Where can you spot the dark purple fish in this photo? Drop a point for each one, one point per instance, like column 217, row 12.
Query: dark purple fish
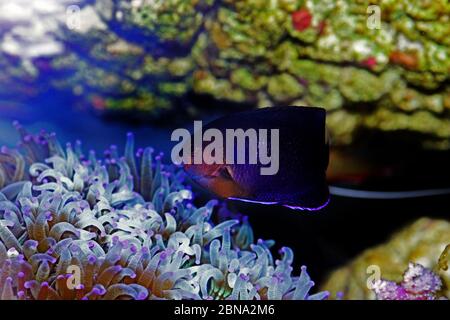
column 299, row 183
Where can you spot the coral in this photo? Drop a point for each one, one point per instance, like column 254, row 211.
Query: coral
column 124, row 227
column 27, row 46
column 151, row 57
column 16, row 82
column 421, row 245
column 419, row 283
column 321, row 53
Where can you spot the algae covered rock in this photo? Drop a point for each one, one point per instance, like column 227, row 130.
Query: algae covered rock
column 387, row 72
column 424, row 242
column 375, row 65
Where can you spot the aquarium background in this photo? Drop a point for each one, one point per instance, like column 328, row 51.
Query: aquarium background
column 96, row 70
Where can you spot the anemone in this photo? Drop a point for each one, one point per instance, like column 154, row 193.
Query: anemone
column 73, row 226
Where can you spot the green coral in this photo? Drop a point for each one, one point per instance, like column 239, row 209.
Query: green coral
column 424, row 242
column 284, row 87
column 263, row 53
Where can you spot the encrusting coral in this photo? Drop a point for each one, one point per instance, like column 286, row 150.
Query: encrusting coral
column 419, row 283
column 388, row 72
column 373, row 65
column 420, row 248
column 76, row 227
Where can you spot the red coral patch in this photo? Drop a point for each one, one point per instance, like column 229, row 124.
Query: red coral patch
column 370, row 62
column 301, row 19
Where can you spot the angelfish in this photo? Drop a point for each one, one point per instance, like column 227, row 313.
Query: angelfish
column 302, row 155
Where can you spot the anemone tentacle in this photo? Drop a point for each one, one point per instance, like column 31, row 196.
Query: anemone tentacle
column 77, row 227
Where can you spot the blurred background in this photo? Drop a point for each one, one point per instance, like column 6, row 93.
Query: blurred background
column 94, row 70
